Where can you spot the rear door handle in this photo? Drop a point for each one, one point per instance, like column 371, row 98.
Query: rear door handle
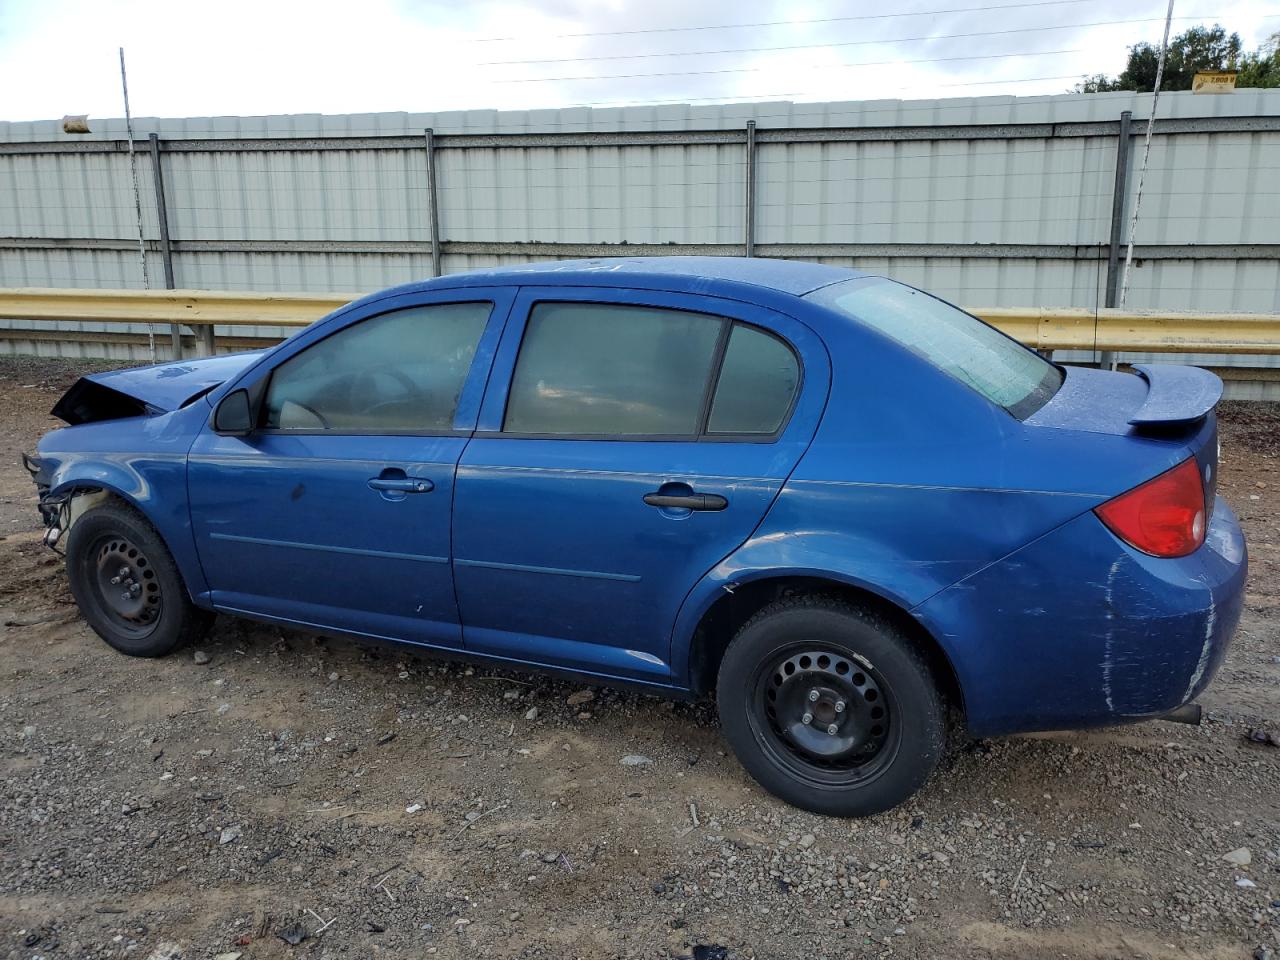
column 406, row 485
column 692, row 501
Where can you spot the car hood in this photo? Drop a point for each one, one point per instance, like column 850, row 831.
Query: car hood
column 147, row 391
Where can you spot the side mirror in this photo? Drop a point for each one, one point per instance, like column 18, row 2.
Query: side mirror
column 234, row 416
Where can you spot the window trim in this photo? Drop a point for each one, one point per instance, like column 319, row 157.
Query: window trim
column 712, row 384
column 260, row 413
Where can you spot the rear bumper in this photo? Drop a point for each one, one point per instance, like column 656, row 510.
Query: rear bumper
column 1078, row 629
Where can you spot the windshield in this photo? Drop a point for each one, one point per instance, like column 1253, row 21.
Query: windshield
column 978, row 355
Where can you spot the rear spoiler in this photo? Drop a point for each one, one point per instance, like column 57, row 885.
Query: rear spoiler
column 1176, row 394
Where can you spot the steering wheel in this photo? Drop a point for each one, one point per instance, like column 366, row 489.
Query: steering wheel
column 309, row 411
column 363, row 382
column 324, row 424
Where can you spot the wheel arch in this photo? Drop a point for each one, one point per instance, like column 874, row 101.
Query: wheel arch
column 720, row 621
column 79, row 487
column 88, row 484
column 80, row 475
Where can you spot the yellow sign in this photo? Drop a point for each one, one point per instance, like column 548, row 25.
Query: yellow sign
column 1213, row 81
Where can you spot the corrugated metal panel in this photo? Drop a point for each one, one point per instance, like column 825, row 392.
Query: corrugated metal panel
column 74, row 195
column 298, row 195
column 939, row 191
column 1221, row 188
column 339, row 272
column 641, row 194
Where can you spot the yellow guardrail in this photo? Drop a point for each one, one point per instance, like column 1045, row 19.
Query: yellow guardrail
column 1041, row 328
column 1139, row 331
column 190, row 307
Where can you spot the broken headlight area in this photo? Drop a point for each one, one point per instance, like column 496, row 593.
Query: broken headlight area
column 55, row 511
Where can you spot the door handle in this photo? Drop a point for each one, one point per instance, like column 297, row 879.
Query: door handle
column 691, row 501
column 401, row 485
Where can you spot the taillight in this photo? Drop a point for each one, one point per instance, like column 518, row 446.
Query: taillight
column 1164, row 516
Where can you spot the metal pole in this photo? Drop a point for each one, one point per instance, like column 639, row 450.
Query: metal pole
column 1107, row 359
column 166, row 252
column 750, row 244
column 1146, row 155
column 1117, row 209
column 137, row 201
column 435, row 206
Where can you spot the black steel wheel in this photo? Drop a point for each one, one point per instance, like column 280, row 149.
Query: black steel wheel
column 127, row 589
column 127, row 585
column 830, row 707
column 824, row 714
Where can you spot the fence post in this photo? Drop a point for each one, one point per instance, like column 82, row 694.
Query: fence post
column 432, row 199
column 1107, row 359
column 749, row 245
column 166, row 252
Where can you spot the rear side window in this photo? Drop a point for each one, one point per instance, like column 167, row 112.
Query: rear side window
column 757, row 383
column 611, row 369
column 400, row 372
column 621, row 370
column 998, row 367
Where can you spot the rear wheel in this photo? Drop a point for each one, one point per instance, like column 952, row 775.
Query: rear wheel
column 830, row 707
column 127, row 585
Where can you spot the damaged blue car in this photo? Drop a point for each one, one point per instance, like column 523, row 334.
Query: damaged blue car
column 858, row 515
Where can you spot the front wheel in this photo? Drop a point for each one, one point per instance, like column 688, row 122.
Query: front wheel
column 127, row 585
column 830, row 707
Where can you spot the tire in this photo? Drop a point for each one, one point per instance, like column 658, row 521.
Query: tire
column 113, row 540
column 876, row 730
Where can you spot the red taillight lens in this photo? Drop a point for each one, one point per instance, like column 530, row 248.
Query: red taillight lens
column 1164, row 517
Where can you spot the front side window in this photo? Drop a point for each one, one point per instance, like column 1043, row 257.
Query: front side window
column 592, row 369
column 998, row 367
column 400, row 372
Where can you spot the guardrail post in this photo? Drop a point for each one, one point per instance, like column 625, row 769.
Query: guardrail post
column 166, row 252
column 749, row 244
column 1107, row 359
column 430, row 137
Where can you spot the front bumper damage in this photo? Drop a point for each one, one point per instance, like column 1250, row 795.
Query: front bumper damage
column 55, row 509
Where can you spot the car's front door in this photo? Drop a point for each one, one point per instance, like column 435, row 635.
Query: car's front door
column 628, row 441
column 334, row 512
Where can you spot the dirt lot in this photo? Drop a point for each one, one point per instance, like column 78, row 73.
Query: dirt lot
column 382, row 805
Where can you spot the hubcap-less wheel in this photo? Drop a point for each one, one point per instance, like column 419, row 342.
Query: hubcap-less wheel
column 824, row 715
column 126, row 585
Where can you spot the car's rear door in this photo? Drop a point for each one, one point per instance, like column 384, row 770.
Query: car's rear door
column 628, row 441
column 335, row 511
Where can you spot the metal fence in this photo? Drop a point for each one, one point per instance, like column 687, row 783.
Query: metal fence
column 996, row 201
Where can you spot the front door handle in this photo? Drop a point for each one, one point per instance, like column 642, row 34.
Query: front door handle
column 691, row 501
column 401, row 485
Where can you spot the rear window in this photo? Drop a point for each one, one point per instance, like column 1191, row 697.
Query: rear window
column 997, row 366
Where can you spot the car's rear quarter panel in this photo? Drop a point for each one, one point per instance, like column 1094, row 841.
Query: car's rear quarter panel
column 981, row 526
column 1078, row 629
column 913, row 482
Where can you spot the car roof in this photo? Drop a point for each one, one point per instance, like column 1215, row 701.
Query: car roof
column 691, row 274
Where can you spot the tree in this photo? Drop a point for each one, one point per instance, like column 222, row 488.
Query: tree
column 1190, row 52
column 1098, row 83
column 1262, row 67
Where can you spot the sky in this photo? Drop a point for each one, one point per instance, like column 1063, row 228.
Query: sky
column 254, row 57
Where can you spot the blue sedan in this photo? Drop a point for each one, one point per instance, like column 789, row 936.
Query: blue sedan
column 859, row 516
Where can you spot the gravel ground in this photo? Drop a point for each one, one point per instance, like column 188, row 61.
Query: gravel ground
column 275, row 787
